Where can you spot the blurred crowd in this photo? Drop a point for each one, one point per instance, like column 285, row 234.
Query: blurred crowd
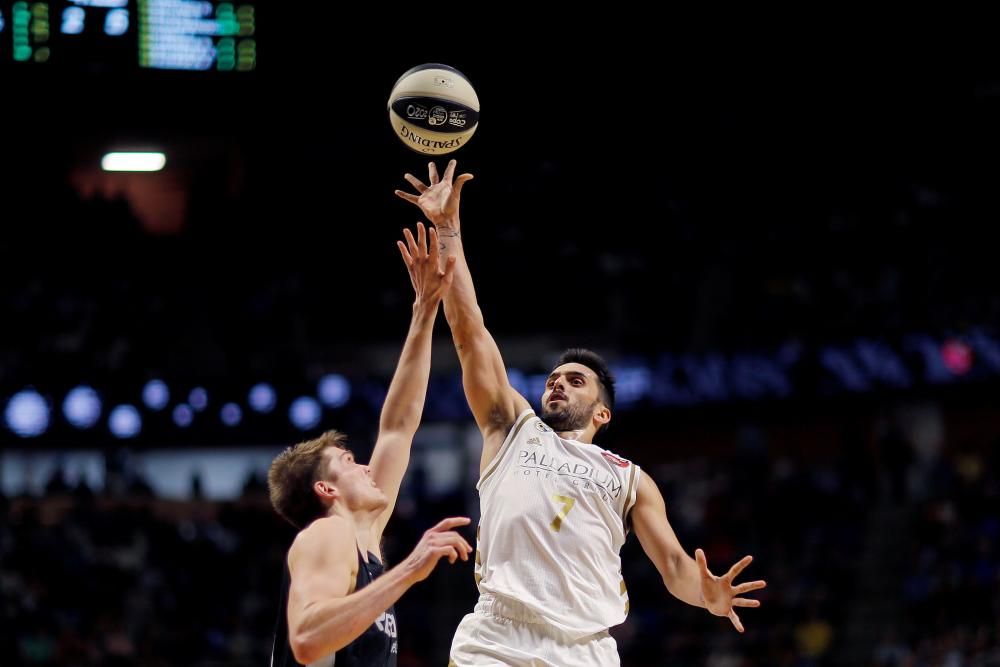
column 94, row 577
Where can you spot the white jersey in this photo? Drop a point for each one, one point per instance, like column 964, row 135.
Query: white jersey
column 553, row 521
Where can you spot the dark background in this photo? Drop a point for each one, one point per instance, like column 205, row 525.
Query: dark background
column 659, row 190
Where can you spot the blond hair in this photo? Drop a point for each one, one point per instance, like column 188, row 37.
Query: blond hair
column 292, row 474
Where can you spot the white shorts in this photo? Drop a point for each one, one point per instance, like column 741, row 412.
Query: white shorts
column 502, row 632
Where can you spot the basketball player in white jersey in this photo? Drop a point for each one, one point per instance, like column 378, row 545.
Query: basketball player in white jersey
column 555, row 507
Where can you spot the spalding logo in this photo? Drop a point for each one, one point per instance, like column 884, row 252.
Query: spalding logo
column 621, row 463
column 427, row 144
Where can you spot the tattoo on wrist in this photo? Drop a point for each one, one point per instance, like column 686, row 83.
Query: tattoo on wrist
column 448, row 232
column 442, row 246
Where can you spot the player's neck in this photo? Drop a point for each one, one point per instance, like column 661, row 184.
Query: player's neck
column 361, row 519
column 580, row 435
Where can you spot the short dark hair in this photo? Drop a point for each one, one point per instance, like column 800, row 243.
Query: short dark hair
column 596, row 363
column 291, row 476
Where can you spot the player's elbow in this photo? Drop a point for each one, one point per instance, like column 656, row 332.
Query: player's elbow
column 304, row 651
column 308, row 646
column 308, row 650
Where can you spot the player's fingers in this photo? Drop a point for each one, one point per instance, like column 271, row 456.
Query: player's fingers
column 736, row 620
column 407, row 196
column 444, row 552
column 459, row 182
column 459, row 543
column 738, row 567
column 415, row 182
column 411, row 243
column 449, row 171
column 749, row 586
column 406, row 256
column 745, row 602
column 450, row 522
column 434, row 248
column 699, row 557
column 421, row 240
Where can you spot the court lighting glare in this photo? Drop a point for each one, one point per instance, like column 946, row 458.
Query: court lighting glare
column 133, row 161
column 155, row 394
column 27, row 414
column 334, row 390
column 305, row 413
column 125, row 422
column 82, row 407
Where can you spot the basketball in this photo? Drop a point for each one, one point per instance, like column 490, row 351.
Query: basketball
column 433, row 109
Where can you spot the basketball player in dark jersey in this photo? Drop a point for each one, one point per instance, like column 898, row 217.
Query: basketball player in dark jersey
column 337, row 604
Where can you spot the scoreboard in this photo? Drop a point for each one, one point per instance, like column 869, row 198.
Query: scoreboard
column 109, row 35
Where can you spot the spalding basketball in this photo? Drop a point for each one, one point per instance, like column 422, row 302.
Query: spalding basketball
column 433, row 109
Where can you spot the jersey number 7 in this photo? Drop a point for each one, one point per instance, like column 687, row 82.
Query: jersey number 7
column 567, row 504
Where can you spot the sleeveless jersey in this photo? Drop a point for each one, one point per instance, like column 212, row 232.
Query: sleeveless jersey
column 553, row 521
column 376, row 647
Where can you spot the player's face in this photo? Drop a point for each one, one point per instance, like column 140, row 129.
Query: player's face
column 353, row 481
column 571, row 396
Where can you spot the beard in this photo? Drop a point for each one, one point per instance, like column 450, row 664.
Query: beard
column 568, row 418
